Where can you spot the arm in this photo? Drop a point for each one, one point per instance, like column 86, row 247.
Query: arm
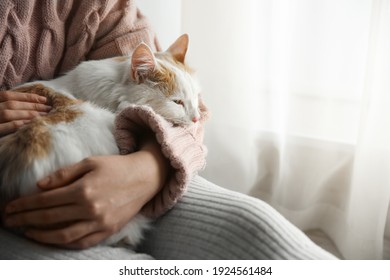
column 89, row 201
column 182, row 146
column 73, row 210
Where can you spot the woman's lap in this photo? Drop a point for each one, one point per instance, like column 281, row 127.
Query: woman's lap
column 209, row 222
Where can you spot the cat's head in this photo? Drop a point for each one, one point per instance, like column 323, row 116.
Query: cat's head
column 166, row 83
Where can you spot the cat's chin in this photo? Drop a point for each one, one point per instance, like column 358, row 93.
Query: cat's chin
column 181, row 123
column 178, row 122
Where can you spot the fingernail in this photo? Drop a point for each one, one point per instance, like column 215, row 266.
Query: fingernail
column 42, row 113
column 26, row 121
column 48, row 108
column 44, row 182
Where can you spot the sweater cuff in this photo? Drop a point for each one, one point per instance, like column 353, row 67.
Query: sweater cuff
column 182, row 146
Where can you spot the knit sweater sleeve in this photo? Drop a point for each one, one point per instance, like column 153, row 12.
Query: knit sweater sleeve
column 182, row 146
column 106, row 29
column 42, row 39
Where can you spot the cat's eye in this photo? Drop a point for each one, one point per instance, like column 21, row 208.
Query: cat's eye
column 178, row 102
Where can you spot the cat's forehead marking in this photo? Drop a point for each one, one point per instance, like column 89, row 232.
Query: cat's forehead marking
column 165, row 74
column 165, row 78
column 169, row 58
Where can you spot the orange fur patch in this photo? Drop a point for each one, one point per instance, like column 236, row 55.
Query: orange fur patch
column 168, row 57
column 60, row 104
column 33, row 140
column 165, row 79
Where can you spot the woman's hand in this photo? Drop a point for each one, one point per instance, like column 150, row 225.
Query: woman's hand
column 87, row 202
column 17, row 109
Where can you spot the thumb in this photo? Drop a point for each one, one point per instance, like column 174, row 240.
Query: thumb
column 64, row 176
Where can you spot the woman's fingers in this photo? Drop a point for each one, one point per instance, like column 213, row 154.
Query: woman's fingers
column 101, row 230
column 64, row 185
column 88, row 241
column 42, row 200
column 21, row 96
column 24, row 106
column 63, row 236
column 14, row 115
column 66, row 175
column 100, row 191
column 12, row 120
column 80, row 228
column 18, row 108
column 47, row 217
column 10, row 127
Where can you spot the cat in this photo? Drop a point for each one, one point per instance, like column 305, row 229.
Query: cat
column 74, row 129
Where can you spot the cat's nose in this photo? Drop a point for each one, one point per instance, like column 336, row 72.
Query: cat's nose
column 195, row 119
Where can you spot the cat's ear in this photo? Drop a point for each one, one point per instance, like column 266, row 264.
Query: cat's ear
column 179, row 48
column 142, row 63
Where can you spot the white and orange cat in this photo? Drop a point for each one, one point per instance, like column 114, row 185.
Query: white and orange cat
column 75, row 130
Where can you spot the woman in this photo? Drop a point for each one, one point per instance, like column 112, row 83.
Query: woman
column 42, row 39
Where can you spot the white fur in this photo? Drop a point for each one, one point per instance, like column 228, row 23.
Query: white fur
column 107, row 84
column 90, row 134
column 72, row 142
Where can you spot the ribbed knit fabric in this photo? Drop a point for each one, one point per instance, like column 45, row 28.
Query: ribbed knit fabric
column 13, row 247
column 181, row 145
column 209, row 222
column 40, row 39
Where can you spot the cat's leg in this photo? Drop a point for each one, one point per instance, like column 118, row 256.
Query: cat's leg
column 210, row 222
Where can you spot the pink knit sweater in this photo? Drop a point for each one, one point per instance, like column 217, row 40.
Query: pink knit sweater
column 41, row 39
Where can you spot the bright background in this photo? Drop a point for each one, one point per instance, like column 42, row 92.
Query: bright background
column 299, row 92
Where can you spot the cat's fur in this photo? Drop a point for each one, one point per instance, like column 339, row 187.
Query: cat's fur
column 75, row 130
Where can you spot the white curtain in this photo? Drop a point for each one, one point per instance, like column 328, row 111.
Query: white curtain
column 299, row 92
